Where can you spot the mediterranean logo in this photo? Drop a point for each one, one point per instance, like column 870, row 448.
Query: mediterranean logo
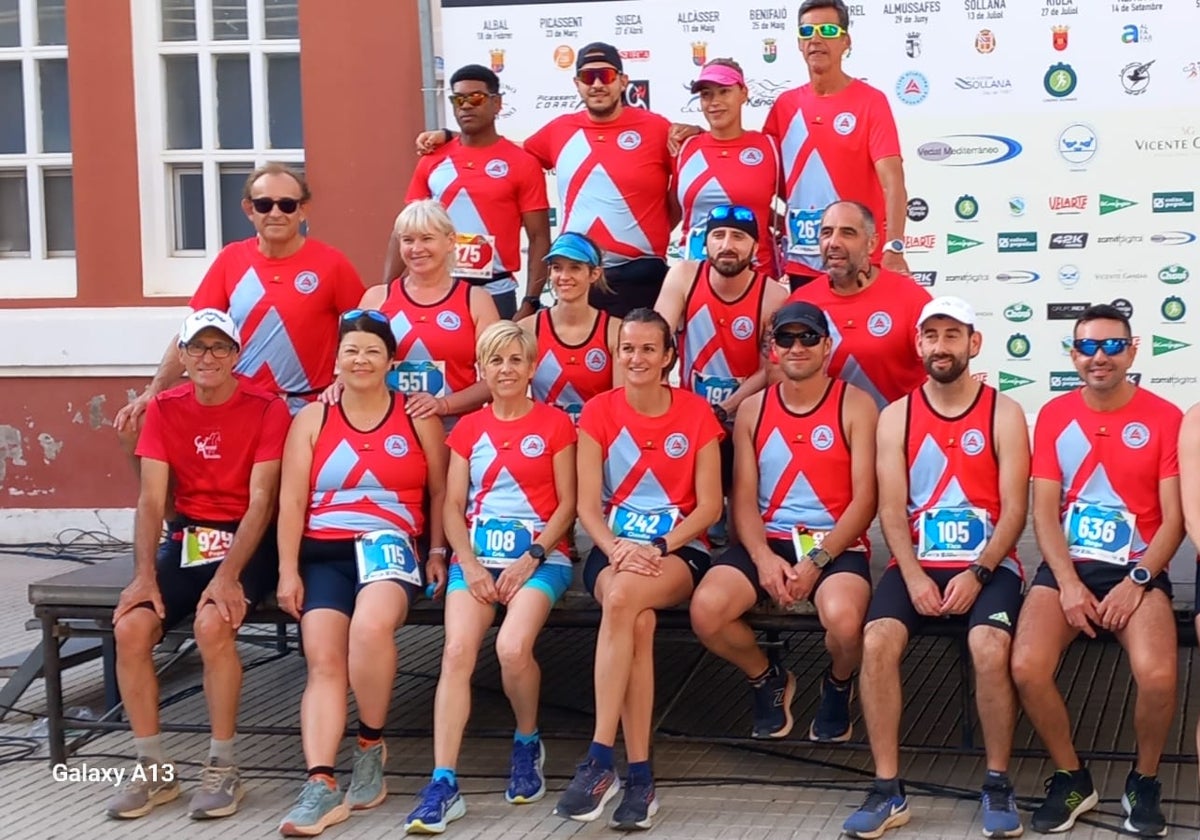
column 1111, row 204
column 1009, row 381
column 1163, row 345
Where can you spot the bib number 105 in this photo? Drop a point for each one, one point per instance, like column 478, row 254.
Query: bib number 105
column 953, row 532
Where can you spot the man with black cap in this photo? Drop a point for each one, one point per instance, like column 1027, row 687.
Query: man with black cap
column 953, row 468
column 803, row 498
column 614, row 172
column 491, row 189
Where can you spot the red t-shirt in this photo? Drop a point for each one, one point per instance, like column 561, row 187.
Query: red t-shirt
column 286, row 310
column 512, row 465
column 835, row 142
column 874, row 333
column 613, row 179
column 1114, row 459
column 485, row 190
column 711, row 172
column 211, row 449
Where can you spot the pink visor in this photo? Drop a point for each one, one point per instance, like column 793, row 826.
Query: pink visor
column 718, row 74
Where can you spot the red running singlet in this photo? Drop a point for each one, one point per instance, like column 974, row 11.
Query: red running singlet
column 568, row 375
column 435, row 343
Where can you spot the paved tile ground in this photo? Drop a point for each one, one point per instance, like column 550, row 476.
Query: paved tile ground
column 709, row 791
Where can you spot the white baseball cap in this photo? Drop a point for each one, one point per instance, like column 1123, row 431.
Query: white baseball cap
column 948, row 306
column 203, row 319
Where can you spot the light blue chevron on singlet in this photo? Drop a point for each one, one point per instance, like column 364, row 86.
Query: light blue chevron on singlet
column 331, row 490
column 548, row 373
column 852, row 371
column 270, row 345
column 1071, row 448
column 814, row 188
column 710, row 195
column 801, row 505
column 700, row 332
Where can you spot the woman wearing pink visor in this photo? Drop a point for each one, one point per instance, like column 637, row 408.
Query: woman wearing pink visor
column 726, row 164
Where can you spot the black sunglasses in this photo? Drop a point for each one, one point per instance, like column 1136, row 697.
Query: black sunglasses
column 265, row 205
column 808, row 338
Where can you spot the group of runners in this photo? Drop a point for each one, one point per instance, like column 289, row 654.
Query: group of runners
column 461, row 434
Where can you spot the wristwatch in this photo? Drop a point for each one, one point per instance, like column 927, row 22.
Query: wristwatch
column 661, row 544
column 819, row 557
column 896, row 246
column 721, row 414
column 982, row 573
column 538, row 553
column 533, row 300
column 1140, row 575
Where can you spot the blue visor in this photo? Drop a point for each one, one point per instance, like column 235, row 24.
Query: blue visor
column 573, row 247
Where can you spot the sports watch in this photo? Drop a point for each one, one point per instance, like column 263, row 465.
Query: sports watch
column 896, row 246
column 1140, row 575
column 819, row 557
column 538, row 553
column 661, row 544
column 982, row 573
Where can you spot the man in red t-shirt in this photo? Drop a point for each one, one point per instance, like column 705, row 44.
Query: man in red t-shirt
column 491, row 189
column 215, row 443
column 838, row 140
column 872, row 311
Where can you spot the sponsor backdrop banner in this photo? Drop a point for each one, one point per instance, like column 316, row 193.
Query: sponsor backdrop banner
column 1051, row 147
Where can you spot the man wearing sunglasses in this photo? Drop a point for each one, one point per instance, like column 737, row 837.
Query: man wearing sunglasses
column 803, row 498
column 492, row 189
column 838, row 132
column 211, row 451
column 953, row 469
column 1108, row 517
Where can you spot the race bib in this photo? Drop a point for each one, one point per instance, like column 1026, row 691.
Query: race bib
column 409, row 377
column 573, row 411
column 804, row 227
column 1095, row 532
column 804, row 540
column 641, row 526
column 957, row 534
column 386, row 555
column 474, row 255
column 715, row 389
column 201, row 546
column 498, row 542
column 697, row 243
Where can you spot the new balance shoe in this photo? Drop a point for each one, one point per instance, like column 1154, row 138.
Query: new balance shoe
column 1000, row 816
column 367, row 786
column 317, row 807
column 525, row 782
column 219, row 794
column 587, row 793
column 440, row 805
column 1068, row 794
column 832, row 721
column 1142, row 802
column 881, row 810
column 773, row 703
column 638, row 806
column 147, row 785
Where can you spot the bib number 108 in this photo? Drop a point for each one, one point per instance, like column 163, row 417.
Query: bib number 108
column 500, row 542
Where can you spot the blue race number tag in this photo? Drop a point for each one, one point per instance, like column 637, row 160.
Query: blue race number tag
column 573, row 411
column 497, row 542
column 641, row 526
column 386, row 555
column 714, row 389
column 804, row 228
column 955, row 534
column 409, row 377
column 202, row 546
column 1096, row 532
column 697, row 243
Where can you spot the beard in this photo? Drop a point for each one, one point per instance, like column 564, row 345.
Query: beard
column 945, row 377
column 731, row 266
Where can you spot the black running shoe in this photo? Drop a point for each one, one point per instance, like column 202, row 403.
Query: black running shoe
column 773, row 704
column 1141, row 801
column 1068, row 794
column 832, row 721
column 638, row 806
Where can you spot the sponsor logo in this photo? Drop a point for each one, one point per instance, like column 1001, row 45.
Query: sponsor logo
column 307, row 282
column 844, row 123
column 676, row 445
column 699, row 53
column 1001, row 618
column 1173, row 309
column 396, row 446
column 742, row 327
column 1018, row 277
column 532, row 446
column 497, row 59
column 1185, row 139
column 985, row 42
column 1135, row 435
column 1060, row 80
column 973, row 441
column 1173, row 275
column 448, row 320
column 1021, row 242
column 924, row 242
column 1173, row 380
column 1016, row 206
column 1065, row 311
column 496, row 168
column 966, row 208
column 981, row 376
column 750, row 157
column 1059, row 37
column 1018, row 312
column 1069, row 380
column 1173, row 237
column 637, row 94
column 564, row 57
column 969, row 149
column 917, row 210
column 595, row 359
column 208, row 446
column 1111, row 204
column 822, row 438
column 1009, row 381
column 1077, row 144
column 912, row 45
column 770, row 50
column 912, row 87
column 966, row 278
column 1163, row 345
column 1068, row 241
column 879, row 324
column 1068, row 275
column 1135, row 77
column 984, row 84
column 629, row 140
column 1173, row 202
column 924, row 278
column 1062, row 204
column 1123, row 306
column 634, row 55
column 955, row 243
column 1018, row 346
column 1135, row 34
column 1120, row 239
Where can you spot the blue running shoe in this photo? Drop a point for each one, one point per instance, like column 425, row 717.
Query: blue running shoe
column 525, row 782
column 880, row 811
column 588, row 793
column 773, row 704
column 1000, row 816
column 831, row 725
column 638, row 806
column 440, row 804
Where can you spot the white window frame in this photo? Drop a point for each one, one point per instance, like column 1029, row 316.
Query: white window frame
column 165, row 271
column 41, row 274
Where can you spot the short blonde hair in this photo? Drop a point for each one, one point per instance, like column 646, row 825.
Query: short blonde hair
column 499, row 335
column 424, row 216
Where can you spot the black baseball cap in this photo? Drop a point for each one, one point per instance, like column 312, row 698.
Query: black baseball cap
column 804, row 314
column 599, row 51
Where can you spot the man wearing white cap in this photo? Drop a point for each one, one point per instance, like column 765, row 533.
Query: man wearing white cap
column 214, row 444
column 952, row 524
